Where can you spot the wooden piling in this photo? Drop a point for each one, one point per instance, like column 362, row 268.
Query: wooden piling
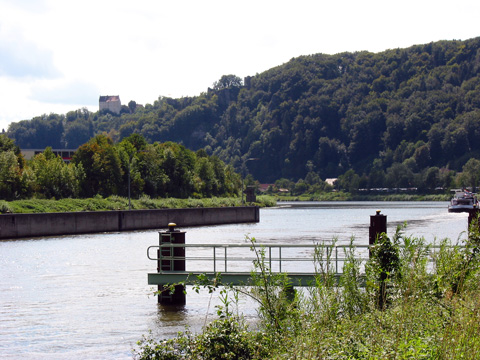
column 378, row 225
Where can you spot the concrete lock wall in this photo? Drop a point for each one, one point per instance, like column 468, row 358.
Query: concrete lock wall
column 51, row 224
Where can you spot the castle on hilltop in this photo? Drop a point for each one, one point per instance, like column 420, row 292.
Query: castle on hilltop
column 111, row 103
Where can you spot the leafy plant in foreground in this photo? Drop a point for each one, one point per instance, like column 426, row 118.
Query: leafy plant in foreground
column 338, row 319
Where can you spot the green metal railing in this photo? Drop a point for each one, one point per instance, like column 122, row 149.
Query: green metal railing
column 275, row 255
column 228, row 253
column 211, row 260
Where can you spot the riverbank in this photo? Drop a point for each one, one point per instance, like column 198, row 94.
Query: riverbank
column 117, row 203
column 344, row 196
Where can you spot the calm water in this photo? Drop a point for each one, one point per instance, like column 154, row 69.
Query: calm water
column 87, row 297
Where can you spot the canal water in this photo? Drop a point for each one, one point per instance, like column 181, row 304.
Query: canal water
column 87, row 297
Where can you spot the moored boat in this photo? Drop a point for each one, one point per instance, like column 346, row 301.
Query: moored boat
column 463, row 201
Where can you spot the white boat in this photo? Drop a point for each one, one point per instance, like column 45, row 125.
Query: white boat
column 463, row 201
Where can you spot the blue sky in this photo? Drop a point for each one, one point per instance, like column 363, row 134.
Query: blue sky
column 61, row 55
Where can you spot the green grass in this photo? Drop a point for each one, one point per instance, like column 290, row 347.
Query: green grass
column 119, row 203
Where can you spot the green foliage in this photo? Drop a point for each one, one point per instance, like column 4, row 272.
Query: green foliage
column 227, row 81
column 51, row 177
column 383, row 268
column 429, row 316
column 273, row 292
column 131, row 168
column 5, row 207
column 12, row 183
column 98, row 203
column 227, row 337
column 353, row 300
column 471, row 174
column 101, row 163
column 224, row 338
column 389, row 116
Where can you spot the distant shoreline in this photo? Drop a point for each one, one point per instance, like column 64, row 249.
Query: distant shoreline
column 341, row 196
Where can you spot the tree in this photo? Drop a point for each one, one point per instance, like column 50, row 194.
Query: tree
column 53, row 178
column 399, row 175
column 471, row 173
column 101, row 163
column 10, row 175
column 132, row 184
column 150, row 168
column 431, row 179
column 348, row 181
column 227, row 81
column 137, row 140
column 177, row 164
column 77, row 132
column 207, row 181
column 132, row 105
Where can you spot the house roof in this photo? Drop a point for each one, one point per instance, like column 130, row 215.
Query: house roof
column 331, row 181
column 109, row 98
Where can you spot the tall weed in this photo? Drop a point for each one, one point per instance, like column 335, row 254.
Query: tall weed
column 430, row 309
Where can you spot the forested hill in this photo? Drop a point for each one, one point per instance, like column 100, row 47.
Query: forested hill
column 399, row 112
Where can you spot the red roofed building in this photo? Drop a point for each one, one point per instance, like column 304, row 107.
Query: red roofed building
column 111, row 103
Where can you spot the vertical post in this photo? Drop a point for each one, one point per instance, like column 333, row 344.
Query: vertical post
column 242, row 191
column 129, row 201
column 171, row 259
column 378, row 225
column 244, row 166
column 280, row 257
column 336, row 259
column 250, row 194
column 225, row 256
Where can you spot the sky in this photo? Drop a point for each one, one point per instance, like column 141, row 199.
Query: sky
column 61, row 55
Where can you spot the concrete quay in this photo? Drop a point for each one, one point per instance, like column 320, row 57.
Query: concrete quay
column 13, row 226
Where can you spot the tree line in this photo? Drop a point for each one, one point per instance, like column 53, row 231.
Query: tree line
column 399, row 118
column 100, row 167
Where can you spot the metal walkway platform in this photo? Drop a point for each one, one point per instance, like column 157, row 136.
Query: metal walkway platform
column 230, row 278
column 300, row 263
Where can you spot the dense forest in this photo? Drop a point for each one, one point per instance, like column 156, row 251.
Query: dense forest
column 131, row 167
column 398, row 118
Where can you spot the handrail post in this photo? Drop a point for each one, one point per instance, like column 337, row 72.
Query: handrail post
column 225, row 259
column 336, row 259
column 280, row 257
column 270, row 257
column 214, row 259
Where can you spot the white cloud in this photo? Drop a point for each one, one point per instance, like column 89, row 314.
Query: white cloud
column 70, row 92
column 23, row 59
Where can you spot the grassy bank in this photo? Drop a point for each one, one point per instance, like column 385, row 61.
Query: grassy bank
column 344, row 196
column 119, row 203
column 99, row 203
column 416, row 304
